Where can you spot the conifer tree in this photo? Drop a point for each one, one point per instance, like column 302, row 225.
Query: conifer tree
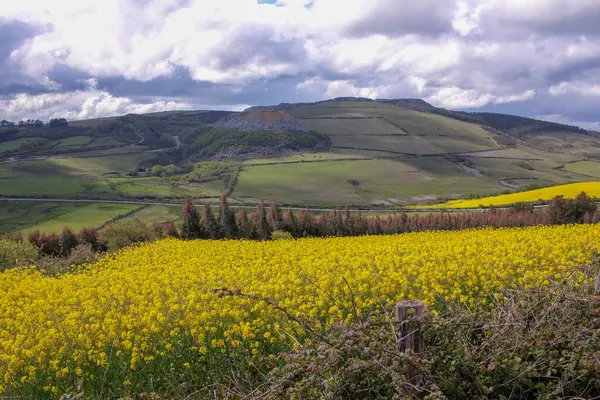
column 263, row 230
column 291, row 223
column 211, row 227
column 243, row 224
column 275, row 217
column 227, row 222
column 305, row 223
column 191, row 228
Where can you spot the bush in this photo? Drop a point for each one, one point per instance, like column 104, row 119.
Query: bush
column 281, row 235
column 13, row 253
column 539, row 343
column 89, row 236
column 122, row 234
column 571, row 211
column 79, row 255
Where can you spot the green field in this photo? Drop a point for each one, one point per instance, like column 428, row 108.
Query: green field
column 92, row 216
column 75, row 141
column 164, row 187
column 95, row 166
column 393, row 129
column 157, row 214
column 298, row 158
column 587, row 168
column 19, row 215
column 326, row 182
column 18, row 144
column 353, row 126
column 56, row 187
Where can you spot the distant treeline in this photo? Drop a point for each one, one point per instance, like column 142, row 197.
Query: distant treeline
column 34, row 123
column 273, row 223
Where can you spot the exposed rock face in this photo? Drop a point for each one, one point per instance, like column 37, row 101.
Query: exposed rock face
column 262, row 120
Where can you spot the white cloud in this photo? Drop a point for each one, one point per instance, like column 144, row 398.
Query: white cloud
column 454, row 53
column 458, row 98
column 581, row 88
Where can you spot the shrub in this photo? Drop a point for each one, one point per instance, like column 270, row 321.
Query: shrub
column 539, row 343
column 281, row 235
column 89, row 236
column 49, row 244
column 68, row 241
column 79, row 255
column 14, row 253
column 125, row 233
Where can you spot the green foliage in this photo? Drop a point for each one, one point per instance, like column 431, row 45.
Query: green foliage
column 210, row 224
column 16, row 253
column 125, row 233
column 164, row 171
column 568, row 211
column 281, row 235
column 217, row 140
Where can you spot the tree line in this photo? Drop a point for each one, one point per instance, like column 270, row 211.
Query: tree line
column 266, row 223
column 35, row 123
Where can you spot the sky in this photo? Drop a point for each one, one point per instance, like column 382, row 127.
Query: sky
column 83, row 59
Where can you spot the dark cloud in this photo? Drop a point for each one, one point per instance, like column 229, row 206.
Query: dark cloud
column 395, row 18
column 13, row 34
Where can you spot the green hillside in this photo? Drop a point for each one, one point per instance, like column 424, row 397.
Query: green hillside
column 387, row 153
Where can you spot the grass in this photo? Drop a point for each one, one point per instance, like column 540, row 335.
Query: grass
column 116, row 151
column 106, row 141
column 75, row 141
column 353, row 126
column 307, row 157
column 56, row 187
column 425, row 133
column 93, row 216
column 589, row 168
column 163, row 187
column 545, row 194
column 326, row 182
column 18, row 215
column 94, row 166
column 158, row 214
column 18, row 143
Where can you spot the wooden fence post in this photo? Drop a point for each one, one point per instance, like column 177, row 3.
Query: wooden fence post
column 409, row 315
column 408, row 322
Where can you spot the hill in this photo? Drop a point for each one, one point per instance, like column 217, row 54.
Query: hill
column 344, row 151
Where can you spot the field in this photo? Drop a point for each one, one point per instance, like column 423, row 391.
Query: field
column 18, row 215
column 90, row 216
column 20, row 143
column 326, row 182
column 148, row 320
column 165, row 188
column 152, row 214
column 588, row 168
column 414, row 132
column 545, row 194
column 57, row 187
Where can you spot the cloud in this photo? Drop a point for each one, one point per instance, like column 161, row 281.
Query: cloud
column 523, row 57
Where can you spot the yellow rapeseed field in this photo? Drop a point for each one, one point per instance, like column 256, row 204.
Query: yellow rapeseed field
column 151, row 311
column 568, row 191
